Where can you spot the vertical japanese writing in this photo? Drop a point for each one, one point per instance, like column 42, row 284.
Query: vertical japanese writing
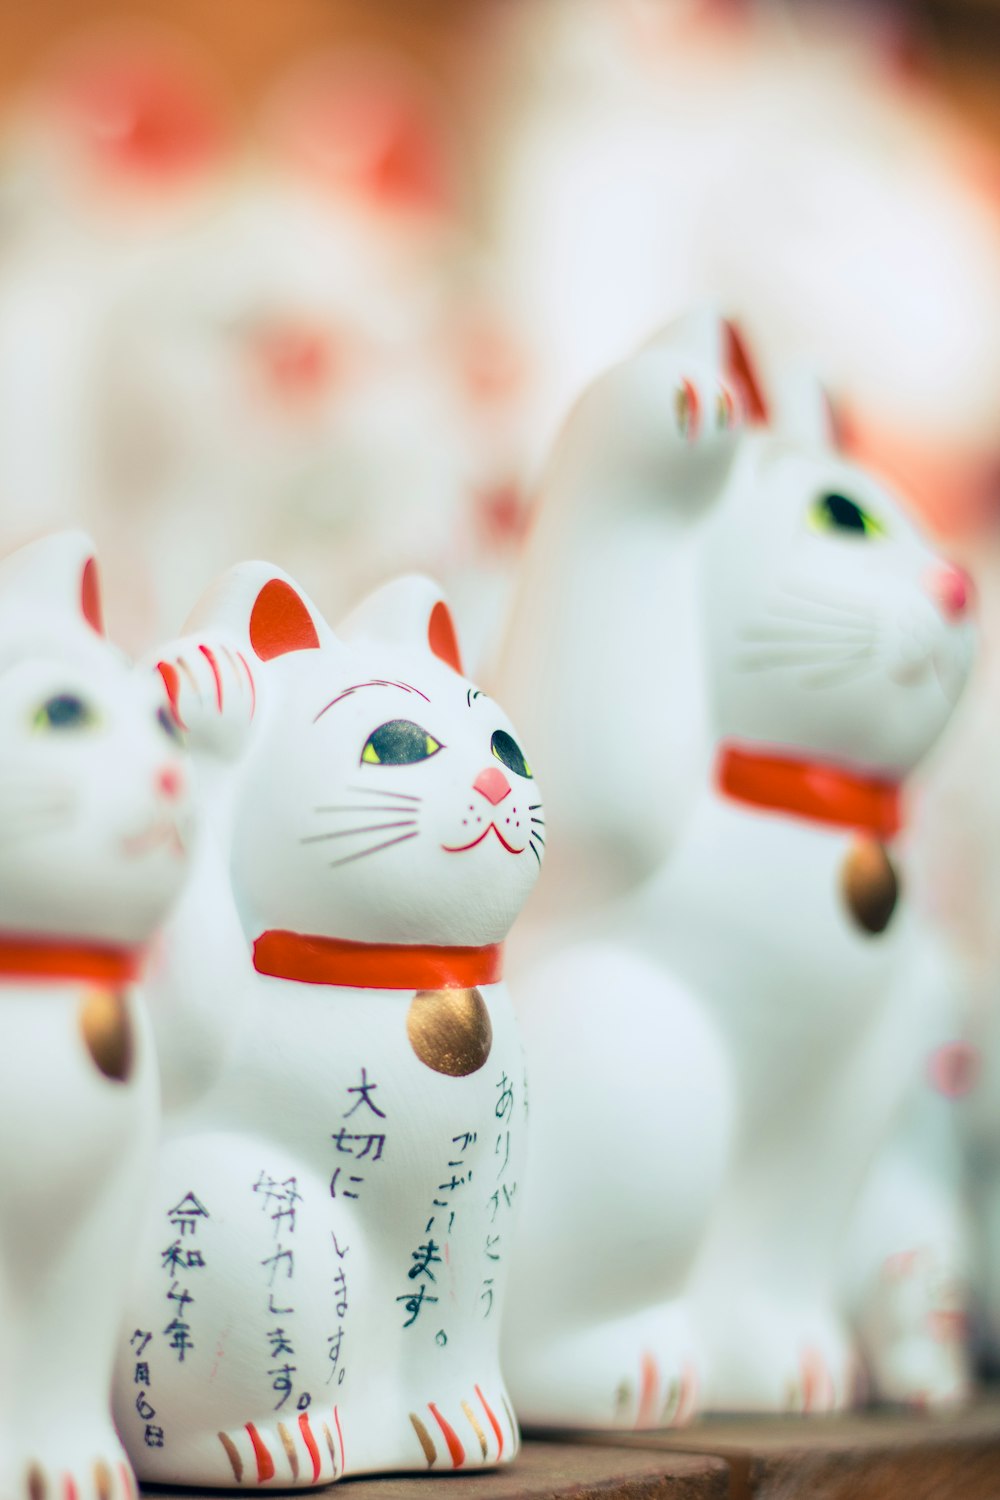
column 427, row 1257
column 280, row 1200
column 335, row 1340
column 153, row 1435
column 362, row 1139
column 180, row 1260
column 501, row 1200
column 365, row 1142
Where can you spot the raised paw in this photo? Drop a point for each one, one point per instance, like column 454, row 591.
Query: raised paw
column 703, row 407
column 211, row 691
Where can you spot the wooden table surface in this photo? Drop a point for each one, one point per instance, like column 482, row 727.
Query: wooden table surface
column 869, row 1456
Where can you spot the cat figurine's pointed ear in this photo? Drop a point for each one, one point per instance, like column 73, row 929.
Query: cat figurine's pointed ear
column 56, row 573
column 410, row 609
column 803, row 412
column 263, row 606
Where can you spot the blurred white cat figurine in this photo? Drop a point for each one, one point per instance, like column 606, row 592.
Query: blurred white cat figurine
column 737, row 646
column 322, row 1273
column 94, row 821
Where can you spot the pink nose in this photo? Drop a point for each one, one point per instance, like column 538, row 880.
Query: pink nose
column 952, row 588
column 169, row 782
column 493, row 784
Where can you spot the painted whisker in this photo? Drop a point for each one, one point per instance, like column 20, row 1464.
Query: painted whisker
column 818, row 610
column 368, row 791
column 836, row 676
column 775, row 660
column 358, row 807
column 808, row 631
column 363, row 853
column 818, row 597
column 343, row 833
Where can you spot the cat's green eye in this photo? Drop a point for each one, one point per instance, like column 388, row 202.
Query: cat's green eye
column 399, row 743
column 64, row 711
column 838, row 513
column 508, row 751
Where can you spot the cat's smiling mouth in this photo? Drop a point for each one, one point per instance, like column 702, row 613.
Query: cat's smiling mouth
column 461, row 848
column 162, row 832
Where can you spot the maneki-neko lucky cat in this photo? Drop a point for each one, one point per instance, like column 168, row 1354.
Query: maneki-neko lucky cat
column 95, row 819
column 321, row 1275
column 772, row 647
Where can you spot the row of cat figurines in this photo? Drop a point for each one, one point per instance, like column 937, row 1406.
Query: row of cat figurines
column 274, row 1196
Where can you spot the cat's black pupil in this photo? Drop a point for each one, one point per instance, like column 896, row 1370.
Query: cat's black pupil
column 506, row 749
column 844, row 514
column 65, row 711
column 168, row 723
column 399, row 743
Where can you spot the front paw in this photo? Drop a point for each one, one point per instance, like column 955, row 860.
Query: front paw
column 916, row 1332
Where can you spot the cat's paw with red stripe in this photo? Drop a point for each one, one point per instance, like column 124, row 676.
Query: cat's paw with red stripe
column 84, row 1477
column 470, row 1433
column 916, row 1335
column 639, row 1373
column 211, row 691
column 304, row 1449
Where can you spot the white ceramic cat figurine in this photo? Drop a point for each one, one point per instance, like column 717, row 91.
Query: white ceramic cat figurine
column 322, row 1272
column 743, row 650
column 95, row 816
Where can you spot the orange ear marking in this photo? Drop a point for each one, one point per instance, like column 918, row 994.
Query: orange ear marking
column 441, row 636
column 90, row 596
column 280, row 622
column 739, row 368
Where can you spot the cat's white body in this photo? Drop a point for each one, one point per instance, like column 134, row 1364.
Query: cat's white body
column 344, row 1146
column 94, row 821
column 782, row 649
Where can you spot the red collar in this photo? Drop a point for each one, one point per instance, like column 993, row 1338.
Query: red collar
column 49, row 958
column 374, row 966
column 810, row 789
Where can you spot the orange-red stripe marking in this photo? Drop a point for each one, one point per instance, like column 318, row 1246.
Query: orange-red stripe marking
column 450, row 1436
column 265, row 1463
column 649, row 1390
column 310, row 1443
column 493, row 1421
column 210, row 658
column 340, row 1435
